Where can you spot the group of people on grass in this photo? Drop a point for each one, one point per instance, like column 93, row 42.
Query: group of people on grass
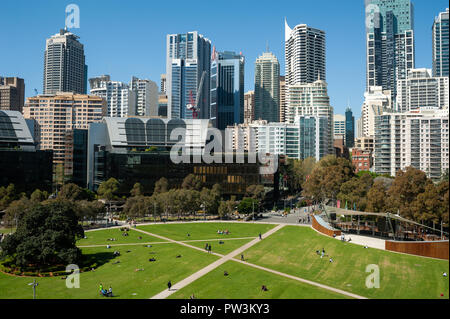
column 322, row 254
column 223, row 232
column 104, row 292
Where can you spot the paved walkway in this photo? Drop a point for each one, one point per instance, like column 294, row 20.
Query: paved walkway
column 365, row 241
column 183, row 283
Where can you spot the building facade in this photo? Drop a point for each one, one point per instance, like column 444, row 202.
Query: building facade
column 227, row 89
column 349, row 128
column 249, row 106
column 420, row 89
column 389, row 42
column 441, row 45
column 267, row 88
column 416, row 138
column 21, row 163
column 361, row 160
column 56, row 114
column 339, row 126
column 283, row 108
column 64, row 64
column 305, row 54
column 188, row 60
column 311, row 99
column 146, row 103
column 120, row 99
column 12, row 94
column 376, row 101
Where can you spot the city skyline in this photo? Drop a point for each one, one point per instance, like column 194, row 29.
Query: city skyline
column 146, row 59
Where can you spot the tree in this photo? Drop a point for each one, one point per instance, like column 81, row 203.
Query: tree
column 39, row 196
column 73, row 192
column 192, row 182
column 327, row 177
column 376, row 197
column 443, row 190
column 428, row 205
column 45, row 236
column 136, row 206
column 210, row 200
column 90, row 210
column 226, row 208
column 137, row 190
column 161, row 186
column 7, row 196
column 108, row 189
column 247, row 205
column 355, row 190
column 16, row 210
column 407, row 185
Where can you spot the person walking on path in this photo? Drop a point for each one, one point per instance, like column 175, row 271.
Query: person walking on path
column 242, row 257
column 169, row 285
column 260, row 237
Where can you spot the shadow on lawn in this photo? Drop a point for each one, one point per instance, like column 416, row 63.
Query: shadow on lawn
column 95, row 260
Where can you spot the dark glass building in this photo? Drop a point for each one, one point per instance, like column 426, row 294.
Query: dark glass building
column 349, row 128
column 20, row 163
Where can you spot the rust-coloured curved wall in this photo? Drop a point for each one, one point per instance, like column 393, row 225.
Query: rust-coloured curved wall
column 324, row 230
column 435, row 249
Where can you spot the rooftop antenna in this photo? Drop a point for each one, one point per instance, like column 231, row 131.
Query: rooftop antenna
column 267, row 45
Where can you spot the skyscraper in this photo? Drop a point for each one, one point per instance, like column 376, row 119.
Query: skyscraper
column 188, row 59
column 146, row 97
column 64, row 64
column 349, row 128
column 311, row 99
column 339, row 126
column 283, row 109
column 227, row 89
column 390, row 42
column 120, row 99
column 305, row 54
column 376, row 101
column 267, row 88
column 249, row 106
column 441, row 45
column 12, row 94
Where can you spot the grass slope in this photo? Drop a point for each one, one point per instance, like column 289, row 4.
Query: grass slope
column 100, row 237
column 208, row 230
column 244, row 282
column 292, row 250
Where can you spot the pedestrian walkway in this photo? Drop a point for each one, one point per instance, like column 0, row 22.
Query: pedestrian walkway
column 183, row 283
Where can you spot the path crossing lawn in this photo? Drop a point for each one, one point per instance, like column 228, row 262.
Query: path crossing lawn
column 292, row 250
column 227, row 247
column 100, row 237
column 208, row 230
column 244, row 282
column 126, row 283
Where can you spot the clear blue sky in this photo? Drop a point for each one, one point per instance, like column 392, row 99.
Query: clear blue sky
column 126, row 38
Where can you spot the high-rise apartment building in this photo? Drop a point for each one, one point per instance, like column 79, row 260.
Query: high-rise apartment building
column 267, row 88
column 12, row 94
column 311, row 99
column 188, row 60
column 349, row 128
column 120, row 99
column 59, row 113
column 249, row 106
column 417, row 138
column 305, row 54
column 227, row 89
column 339, row 126
column 283, row 108
column 420, row 89
column 64, row 64
column 376, row 101
column 163, row 87
column 441, row 44
column 146, row 103
column 390, row 42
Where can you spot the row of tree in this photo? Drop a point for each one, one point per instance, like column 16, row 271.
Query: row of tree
column 410, row 193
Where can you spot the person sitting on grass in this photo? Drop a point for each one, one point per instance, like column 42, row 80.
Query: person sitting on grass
column 264, row 288
column 152, row 259
column 331, row 260
column 138, row 269
column 109, row 293
column 178, row 256
column 225, row 273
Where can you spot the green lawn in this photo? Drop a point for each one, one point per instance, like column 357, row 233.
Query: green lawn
column 244, row 282
column 7, row 230
column 180, row 231
column 100, row 237
column 227, row 247
column 292, row 250
column 126, row 283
